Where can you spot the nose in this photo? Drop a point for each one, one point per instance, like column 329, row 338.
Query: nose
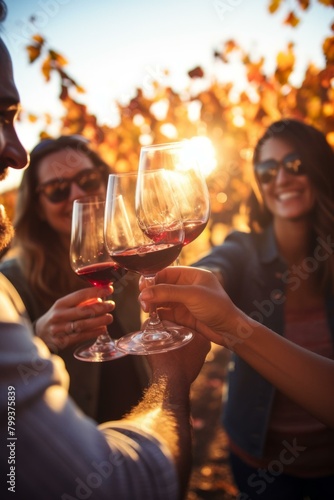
column 12, row 153
column 282, row 175
column 76, row 192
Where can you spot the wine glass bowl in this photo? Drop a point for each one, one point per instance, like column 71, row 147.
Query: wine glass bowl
column 190, row 190
column 192, row 195
column 90, row 261
column 144, row 233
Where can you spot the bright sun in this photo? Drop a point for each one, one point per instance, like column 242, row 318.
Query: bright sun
column 202, row 148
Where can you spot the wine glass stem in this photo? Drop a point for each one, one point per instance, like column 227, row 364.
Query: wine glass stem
column 103, row 338
column 154, row 320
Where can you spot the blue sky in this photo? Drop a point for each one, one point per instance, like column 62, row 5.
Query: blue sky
column 115, row 45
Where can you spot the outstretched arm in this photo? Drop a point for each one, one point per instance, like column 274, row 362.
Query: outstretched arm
column 195, row 298
column 165, row 409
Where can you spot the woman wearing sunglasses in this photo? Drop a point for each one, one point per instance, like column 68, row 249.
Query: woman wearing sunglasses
column 62, row 170
column 281, row 274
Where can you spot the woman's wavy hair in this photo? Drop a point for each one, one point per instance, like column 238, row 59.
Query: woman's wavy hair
column 317, row 157
column 42, row 257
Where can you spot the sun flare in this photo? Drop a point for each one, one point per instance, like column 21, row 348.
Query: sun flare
column 201, row 148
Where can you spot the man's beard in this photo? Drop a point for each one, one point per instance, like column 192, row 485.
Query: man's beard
column 6, row 229
column 3, row 171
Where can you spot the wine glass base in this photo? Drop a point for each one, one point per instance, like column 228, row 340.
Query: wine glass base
column 156, row 342
column 97, row 354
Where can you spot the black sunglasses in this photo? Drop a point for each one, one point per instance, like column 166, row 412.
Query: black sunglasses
column 58, row 190
column 267, row 170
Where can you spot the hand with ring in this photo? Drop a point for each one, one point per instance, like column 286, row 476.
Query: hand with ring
column 72, row 327
column 75, row 318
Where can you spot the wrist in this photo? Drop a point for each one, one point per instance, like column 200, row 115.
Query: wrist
column 165, row 397
column 238, row 331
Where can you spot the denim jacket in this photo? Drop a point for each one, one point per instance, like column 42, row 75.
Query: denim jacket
column 255, row 277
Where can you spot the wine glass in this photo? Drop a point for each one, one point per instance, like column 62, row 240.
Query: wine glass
column 188, row 182
column 90, row 261
column 144, row 233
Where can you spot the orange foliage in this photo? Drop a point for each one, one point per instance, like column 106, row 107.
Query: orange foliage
column 232, row 125
column 292, row 19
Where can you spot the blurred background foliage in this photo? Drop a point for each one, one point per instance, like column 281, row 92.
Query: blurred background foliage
column 232, row 120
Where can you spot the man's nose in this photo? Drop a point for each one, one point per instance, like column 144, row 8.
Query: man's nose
column 12, row 153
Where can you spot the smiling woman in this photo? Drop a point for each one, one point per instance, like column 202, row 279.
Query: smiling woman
column 281, row 274
column 286, row 188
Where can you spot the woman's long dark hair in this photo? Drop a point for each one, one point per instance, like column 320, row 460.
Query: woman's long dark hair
column 318, row 159
column 42, row 256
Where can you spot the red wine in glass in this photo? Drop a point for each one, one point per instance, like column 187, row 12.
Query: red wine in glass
column 192, row 229
column 148, row 259
column 157, row 234
column 101, row 274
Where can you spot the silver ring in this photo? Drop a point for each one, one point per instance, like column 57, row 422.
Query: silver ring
column 72, row 327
